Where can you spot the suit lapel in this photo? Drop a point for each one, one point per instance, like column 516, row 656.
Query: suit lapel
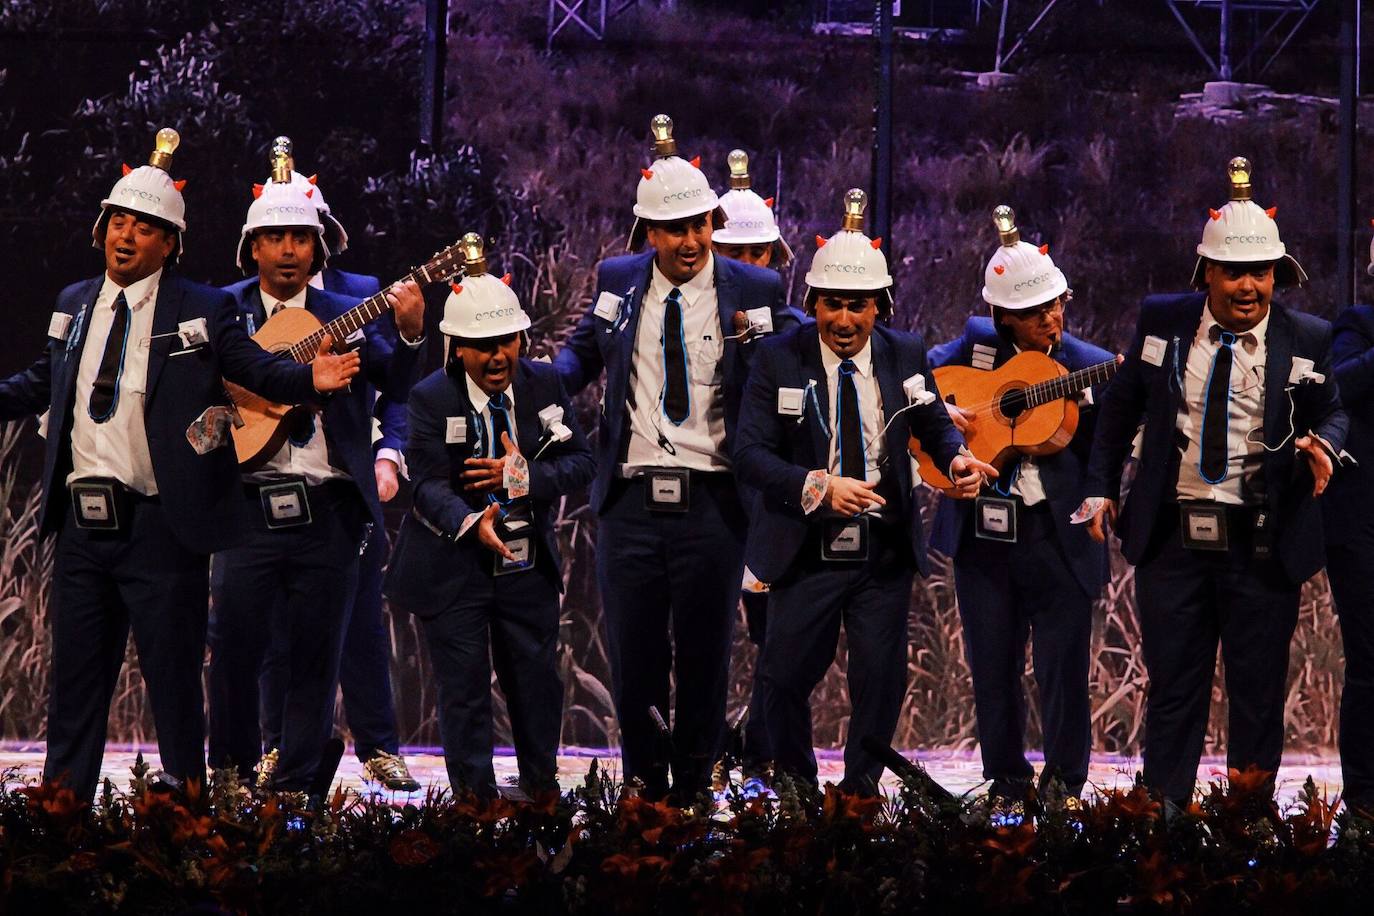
column 166, row 314
column 1278, row 361
column 67, row 382
column 527, row 427
column 818, row 400
column 886, row 371
column 727, row 303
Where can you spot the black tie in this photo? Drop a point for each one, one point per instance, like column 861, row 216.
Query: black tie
column 851, row 425
column 499, row 405
column 676, row 400
column 105, row 391
column 1215, row 415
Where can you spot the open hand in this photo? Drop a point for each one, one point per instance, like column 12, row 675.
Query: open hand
column 486, row 533
column 1318, row 460
column 486, row 475
column 329, row 371
column 848, row 496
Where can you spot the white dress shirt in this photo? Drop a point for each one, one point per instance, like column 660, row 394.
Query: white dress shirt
column 1244, row 448
column 1027, row 484
column 870, row 409
column 311, row 460
column 481, row 402
column 699, row 443
column 118, row 447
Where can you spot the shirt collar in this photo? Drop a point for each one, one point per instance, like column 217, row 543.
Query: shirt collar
column 1254, row 337
column 703, row 283
column 316, row 280
column 863, row 360
column 480, row 398
column 295, row 302
column 135, row 294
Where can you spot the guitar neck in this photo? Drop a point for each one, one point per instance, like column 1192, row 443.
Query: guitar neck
column 362, row 314
column 1068, row 385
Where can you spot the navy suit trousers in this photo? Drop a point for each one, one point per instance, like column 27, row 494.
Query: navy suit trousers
column 1006, row 592
column 364, row 673
column 670, row 586
column 105, row 584
column 1188, row 601
column 510, row 623
column 805, row 611
column 1347, row 564
column 301, row 580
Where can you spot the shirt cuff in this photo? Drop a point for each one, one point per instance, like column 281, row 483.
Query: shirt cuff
column 813, row 490
column 413, row 344
column 468, row 522
column 396, row 458
column 964, row 453
column 516, row 476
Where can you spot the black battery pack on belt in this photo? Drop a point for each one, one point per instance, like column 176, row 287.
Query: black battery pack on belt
column 99, row 503
column 516, row 530
column 285, row 504
column 844, row 540
column 667, row 489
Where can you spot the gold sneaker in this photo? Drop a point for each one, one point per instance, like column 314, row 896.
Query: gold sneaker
column 391, row 771
column 267, row 766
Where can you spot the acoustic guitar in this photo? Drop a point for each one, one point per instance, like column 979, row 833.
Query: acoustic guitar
column 1023, row 407
column 297, row 334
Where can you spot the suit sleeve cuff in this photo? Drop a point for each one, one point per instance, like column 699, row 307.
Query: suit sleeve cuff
column 813, row 490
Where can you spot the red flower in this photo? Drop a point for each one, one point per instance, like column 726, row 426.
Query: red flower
column 411, row 848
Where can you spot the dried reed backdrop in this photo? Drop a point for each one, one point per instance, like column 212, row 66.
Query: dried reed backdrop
column 547, row 148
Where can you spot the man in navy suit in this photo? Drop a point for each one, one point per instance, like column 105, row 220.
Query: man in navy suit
column 1241, row 416
column 140, row 482
column 314, row 505
column 1348, row 510
column 365, row 669
column 493, row 444
column 836, row 531
column 673, row 329
column 1018, row 562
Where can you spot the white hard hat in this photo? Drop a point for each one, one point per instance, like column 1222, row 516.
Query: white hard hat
column 749, row 218
column 1243, row 233
column 282, row 206
column 1019, row 275
column 481, row 306
column 149, row 191
column 283, row 165
column 849, row 260
column 672, row 188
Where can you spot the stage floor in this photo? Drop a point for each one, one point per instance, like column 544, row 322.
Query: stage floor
column 957, row 771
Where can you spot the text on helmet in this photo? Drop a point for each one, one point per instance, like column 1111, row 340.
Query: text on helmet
column 1033, row 281
column 1254, row 239
column 689, row 194
column 845, row 268
column 285, row 210
column 128, row 191
column 506, row 312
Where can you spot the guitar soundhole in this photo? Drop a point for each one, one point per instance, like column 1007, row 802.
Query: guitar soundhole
column 1013, row 403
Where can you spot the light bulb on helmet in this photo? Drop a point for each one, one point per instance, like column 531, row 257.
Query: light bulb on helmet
column 474, row 259
column 1239, row 171
column 280, row 158
column 662, row 129
column 855, row 202
column 739, row 169
column 1004, row 218
column 165, row 145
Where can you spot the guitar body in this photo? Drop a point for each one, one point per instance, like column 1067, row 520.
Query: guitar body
column 265, row 425
column 1004, row 426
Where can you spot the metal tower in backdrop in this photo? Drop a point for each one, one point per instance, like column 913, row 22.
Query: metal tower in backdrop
column 590, row 16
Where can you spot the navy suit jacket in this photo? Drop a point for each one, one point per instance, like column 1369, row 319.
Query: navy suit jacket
column 390, row 414
column 1062, row 473
column 201, row 493
column 598, row 344
column 387, row 366
column 1348, row 504
column 774, row 453
column 427, row 572
column 1149, row 394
